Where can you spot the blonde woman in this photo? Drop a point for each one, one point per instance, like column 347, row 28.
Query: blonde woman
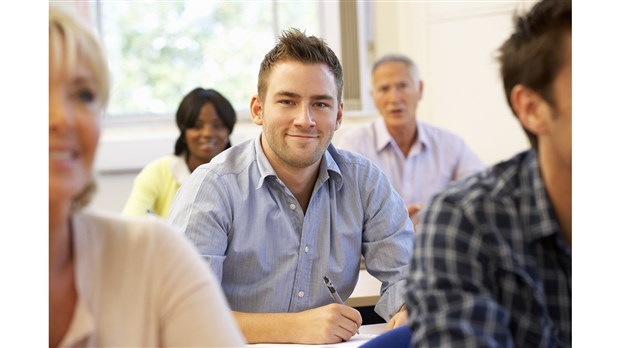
column 114, row 281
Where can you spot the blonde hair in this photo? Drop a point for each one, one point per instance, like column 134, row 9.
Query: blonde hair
column 71, row 40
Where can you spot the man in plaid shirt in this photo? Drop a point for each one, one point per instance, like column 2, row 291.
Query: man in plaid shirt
column 491, row 265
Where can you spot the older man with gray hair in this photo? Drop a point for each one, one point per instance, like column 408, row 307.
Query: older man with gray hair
column 419, row 160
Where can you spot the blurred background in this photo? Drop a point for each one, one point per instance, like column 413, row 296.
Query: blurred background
column 158, row 51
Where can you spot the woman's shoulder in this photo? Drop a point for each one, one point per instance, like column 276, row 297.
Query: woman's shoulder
column 162, row 168
column 116, row 229
column 164, row 162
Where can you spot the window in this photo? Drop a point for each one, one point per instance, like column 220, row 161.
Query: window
column 159, row 55
column 160, row 50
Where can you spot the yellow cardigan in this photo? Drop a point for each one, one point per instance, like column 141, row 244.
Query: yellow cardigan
column 156, row 185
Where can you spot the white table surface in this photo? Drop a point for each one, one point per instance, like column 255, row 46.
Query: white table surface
column 367, row 332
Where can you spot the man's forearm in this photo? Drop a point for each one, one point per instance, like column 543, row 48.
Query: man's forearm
column 265, row 327
column 332, row 323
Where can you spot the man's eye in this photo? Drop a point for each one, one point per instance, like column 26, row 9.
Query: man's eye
column 322, row 105
column 86, row 95
column 285, row 102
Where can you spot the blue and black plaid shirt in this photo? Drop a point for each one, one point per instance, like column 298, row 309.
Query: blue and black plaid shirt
column 490, row 267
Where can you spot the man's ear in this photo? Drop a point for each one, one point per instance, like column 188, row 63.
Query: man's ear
column 339, row 116
column 256, row 110
column 533, row 111
column 421, row 88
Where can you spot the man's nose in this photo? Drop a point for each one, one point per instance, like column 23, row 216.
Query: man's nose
column 394, row 94
column 304, row 117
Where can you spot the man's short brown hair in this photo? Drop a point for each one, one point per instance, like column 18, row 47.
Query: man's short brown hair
column 295, row 45
column 533, row 55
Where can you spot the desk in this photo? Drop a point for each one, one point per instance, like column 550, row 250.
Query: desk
column 367, row 332
column 366, row 292
column 372, row 329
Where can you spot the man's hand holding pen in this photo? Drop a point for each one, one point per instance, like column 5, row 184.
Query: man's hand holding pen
column 332, row 323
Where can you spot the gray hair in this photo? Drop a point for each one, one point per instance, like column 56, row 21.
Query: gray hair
column 399, row 58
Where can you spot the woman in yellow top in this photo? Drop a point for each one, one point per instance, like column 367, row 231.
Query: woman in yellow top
column 114, row 281
column 205, row 119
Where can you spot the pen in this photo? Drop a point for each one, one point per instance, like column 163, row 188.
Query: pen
column 333, row 293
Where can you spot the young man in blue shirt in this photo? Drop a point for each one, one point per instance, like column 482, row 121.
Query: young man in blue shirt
column 272, row 216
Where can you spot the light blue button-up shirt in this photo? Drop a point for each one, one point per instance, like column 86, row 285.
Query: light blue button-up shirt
column 270, row 256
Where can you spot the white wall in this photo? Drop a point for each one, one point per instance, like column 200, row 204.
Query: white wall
column 453, row 44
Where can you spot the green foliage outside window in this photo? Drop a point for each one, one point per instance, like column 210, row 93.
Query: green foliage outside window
column 159, row 51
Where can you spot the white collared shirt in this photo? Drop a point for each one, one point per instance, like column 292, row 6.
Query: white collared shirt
column 435, row 159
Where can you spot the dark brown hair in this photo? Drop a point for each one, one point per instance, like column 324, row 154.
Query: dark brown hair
column 189, row 110
column 533, row 55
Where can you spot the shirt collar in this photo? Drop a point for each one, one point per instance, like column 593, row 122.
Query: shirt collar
column 539, row 218
column 423, row 139
column 384, row 138
column 82, row 324
column 264, row 167
column 328, row 165
column 179, row 168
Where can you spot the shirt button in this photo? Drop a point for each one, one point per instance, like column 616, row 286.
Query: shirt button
column 306, row 249
column 292, row 206
column 301, row 294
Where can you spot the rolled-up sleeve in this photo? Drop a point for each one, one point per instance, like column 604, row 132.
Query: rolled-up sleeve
column 387, row 242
